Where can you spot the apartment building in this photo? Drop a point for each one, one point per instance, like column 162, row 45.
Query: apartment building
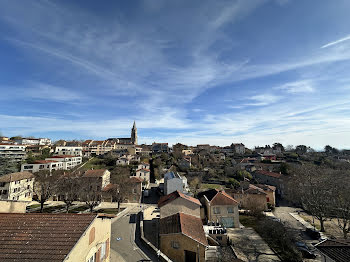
column 17, row 186
column 69, row 150
column 53, row 163
column 33, row 141
column 15, row 152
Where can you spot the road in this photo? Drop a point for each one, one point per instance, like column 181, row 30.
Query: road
column 124, row 246
column 294, row 226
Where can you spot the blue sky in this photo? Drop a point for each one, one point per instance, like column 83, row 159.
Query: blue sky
column 194, row 72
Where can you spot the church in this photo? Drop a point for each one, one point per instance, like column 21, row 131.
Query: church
column 128, row 140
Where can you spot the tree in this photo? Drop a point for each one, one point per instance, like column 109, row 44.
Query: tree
column 234, row 183
column 195, row 185
column 311, row 184
column 90, row 191
column 120, row 190
column 8, row 166
column 67, row 188
column 45, row 185
column 342, row 204
column 301, row 149
column 276, row 145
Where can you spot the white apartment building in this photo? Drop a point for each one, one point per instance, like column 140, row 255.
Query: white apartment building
column 34, row 141
column 53, row 163
column 17, row 186
column 69, row 150
column 15, row 152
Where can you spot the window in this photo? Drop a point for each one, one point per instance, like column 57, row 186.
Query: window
column 92, row 235
column 103, row 251
column 92, row 258
column 4, row 192
column 230, row 210
column 2, row 184
column 217, row 210
column 175, row 244
column 219, row 238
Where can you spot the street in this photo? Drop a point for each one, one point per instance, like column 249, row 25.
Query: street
column 123, row 245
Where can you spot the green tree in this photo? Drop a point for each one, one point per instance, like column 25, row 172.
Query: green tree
column 234, row 183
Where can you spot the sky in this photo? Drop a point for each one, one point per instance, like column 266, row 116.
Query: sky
column 194, row 72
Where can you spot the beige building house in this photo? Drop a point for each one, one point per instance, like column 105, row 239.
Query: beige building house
column 55, row 237
column 103, row 175
column 17, row 186
column 220, row 207
column 182, row 238
column 178, row 202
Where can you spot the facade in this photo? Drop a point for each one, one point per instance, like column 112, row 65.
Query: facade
column 55, row 237
column 250, row 197
column 270, row 178
column 53, row 163
column 177, row 202
column 160, row 148
column 174, row 182
column 103, row 175
column 33, row 141
column 239, row 148
column 182, row 238
column 220, row 207
column 69, row 150
column 144, row 175
column 15, row 152
column 17, row 186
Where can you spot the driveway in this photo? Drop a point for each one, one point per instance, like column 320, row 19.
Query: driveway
column 297, row 228
column 125, row 245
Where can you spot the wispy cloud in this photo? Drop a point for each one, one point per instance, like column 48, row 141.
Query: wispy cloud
column 336, row 42
column 303, row 86
column 263, row 100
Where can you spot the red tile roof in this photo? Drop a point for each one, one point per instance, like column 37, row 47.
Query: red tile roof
column 222, row 199
column 40, row 237
column 188, row 225
column 45, row 161
column 65, row 156
column 254, row 190
column 110, row 186
column 16, row 176
column 176, row 194
column 268, row 173
column 136, row 180
column 95, row 173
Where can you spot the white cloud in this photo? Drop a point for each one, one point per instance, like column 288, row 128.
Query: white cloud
column 263, row 100
column 303, row 86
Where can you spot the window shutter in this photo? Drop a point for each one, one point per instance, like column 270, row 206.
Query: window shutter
column 92, row 235
column 107, row 247
column 98, row 255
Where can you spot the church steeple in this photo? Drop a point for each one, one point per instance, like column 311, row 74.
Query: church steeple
column 134, row 134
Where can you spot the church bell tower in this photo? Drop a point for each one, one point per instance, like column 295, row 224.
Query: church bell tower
column 134, row 134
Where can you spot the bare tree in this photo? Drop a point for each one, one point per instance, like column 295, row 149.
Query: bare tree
column 342, row 204
column 121, row 189
column 45, row 185
column 68, row 188
column 311, row 184
column 90, row 191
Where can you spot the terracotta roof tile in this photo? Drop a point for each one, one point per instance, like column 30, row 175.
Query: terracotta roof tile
column 136, row 180
column 223, row 199
column 188, row 225
column 40, row 237
column 95, row 173
column 176, row 194
column 16, row 176
column 268, row 173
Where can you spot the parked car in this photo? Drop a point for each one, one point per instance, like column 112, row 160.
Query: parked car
column 305, row 250
column 313, row 233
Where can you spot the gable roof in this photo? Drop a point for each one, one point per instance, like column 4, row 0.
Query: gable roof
column 40, row 237
column 268, row 173
column 217, row 197
column 16, row 176
column 176, row 194
column 255, row 190
column 266, row 187
column 188, row 225
column 95, row 173
column 223, row 199
column 336, row 249
column 136, row 180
